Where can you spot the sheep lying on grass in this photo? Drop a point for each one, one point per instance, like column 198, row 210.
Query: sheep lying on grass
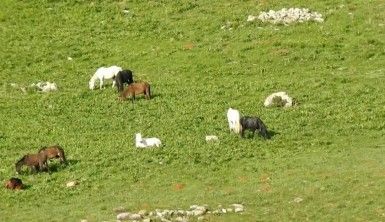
column 146, row 142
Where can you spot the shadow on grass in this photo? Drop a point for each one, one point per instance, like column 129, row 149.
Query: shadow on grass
column 250, row 135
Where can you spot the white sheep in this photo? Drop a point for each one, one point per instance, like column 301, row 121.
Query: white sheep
column 233, row 118
column 146, row 142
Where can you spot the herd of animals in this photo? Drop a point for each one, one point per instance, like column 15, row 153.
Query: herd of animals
column 38, row 162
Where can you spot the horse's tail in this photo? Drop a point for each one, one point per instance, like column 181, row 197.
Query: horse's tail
column 263, row 129
column 148, row 92
column 62, row 155
column 19, row 164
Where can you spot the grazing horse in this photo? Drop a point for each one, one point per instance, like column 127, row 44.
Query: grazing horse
column 104, row 73
column 54, row 152
column 124, row 76
column 14, row 184
column 233, row 117
column 135, row 89
column 253, row 124
column 36, row 162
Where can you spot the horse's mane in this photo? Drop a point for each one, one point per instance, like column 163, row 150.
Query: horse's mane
column 43, row 148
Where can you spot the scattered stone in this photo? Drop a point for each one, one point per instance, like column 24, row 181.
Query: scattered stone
column 178, row 215
column 135, row 217
column 212, row 138
column 123, row 216
column 280, row 99
column 69, row 58
column 44, row 86
column 72, row 183
column 143, row 213
column 298, row 200
column 84, row 220
column 287, row 16
column 181, row 219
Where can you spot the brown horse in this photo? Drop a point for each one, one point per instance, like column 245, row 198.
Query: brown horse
column 54, row 152
column 136, row 89
column 14, row 184
column 36, row 162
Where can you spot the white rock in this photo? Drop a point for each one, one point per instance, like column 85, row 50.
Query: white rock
column 72, row 183
column 146, row 220
column 198, row 212
column 212, row 138
column 298, row 199
column 251, row 18
column 283, row 95
column 135, row 217
column 69, row 58
column 181, row 219
column 238, row 209
column 143, row 213
column 123, row 216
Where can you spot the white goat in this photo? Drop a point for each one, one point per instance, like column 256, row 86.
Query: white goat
column 233, row 118
column 146, row 142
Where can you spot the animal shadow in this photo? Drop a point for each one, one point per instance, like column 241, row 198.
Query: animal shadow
column 270, row 135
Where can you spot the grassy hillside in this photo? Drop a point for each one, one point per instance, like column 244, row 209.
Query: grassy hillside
column 328, row 150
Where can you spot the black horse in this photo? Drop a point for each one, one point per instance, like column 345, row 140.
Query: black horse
column 253, row 124
column 124, row 76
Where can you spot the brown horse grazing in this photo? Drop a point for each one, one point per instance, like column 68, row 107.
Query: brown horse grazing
column 36, row 162
column 135, row 89
column 14, row 184
column 54, row 152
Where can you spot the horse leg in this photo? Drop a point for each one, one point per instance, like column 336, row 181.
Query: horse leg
column 243, row 133
column 113, row 83
column 101, row 83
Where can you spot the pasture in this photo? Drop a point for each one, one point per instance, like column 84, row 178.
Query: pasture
column 325, row 160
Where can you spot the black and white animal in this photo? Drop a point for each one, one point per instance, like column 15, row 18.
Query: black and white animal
column 253, row 124
column 124, row 76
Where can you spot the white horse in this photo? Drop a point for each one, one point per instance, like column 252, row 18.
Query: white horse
column 103, row 73
column 146, row 142
column 233, row 117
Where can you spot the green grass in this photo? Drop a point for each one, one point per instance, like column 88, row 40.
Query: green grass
column 327, row 150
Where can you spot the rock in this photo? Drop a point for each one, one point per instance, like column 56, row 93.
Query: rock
column 181, row 219
column 123, row 216
column 198, row 212
column 146, row 220
column 84, row 220
column 72, row 183
column 287, row 16
column 238, row 208
column 298, row 200
column 278, row 99
column 212, row 138
column 143, row 213
column 135, row 217
column 201, row 218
